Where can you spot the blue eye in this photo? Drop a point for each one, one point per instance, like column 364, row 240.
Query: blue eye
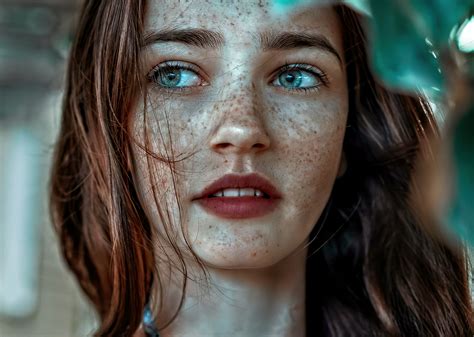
column 175, row 76
column 300, row 77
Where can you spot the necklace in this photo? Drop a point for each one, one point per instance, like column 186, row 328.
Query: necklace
column 149, row 325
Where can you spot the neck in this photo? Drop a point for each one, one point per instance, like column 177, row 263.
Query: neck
column 241, row 302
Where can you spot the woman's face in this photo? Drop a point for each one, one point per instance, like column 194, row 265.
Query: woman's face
column 247, row 92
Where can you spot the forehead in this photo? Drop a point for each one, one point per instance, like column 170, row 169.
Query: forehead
column 241, row 20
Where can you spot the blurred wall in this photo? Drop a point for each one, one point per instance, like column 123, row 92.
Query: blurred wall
column 38, row 296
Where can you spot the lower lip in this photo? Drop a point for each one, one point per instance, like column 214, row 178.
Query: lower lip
column 239, row 207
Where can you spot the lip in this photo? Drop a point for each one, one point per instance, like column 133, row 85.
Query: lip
column 240, row 207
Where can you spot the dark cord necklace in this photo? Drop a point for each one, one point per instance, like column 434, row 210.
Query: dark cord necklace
column 149, row 325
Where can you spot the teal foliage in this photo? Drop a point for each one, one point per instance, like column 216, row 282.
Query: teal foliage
column 287, row 2
column 401, row 55
column 460, row 218
column 407, row 38
column 438, row 17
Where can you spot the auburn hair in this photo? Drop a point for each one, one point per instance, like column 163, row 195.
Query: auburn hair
column 372, row 268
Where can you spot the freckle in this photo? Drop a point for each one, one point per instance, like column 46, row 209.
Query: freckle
column 254, row 254
column 210, row 226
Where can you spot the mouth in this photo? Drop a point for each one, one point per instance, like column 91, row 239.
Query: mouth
column 239, row 197
column 239, row 192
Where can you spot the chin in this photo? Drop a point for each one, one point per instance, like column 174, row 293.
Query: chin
column 248, row 244
column 240, row 256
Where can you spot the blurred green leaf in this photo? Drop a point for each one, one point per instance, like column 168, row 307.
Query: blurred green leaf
column 461, row 214
column 401, row 54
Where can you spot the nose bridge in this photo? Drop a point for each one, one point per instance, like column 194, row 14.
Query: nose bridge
column 239, row 117
column 239, row 91
column 241, row 103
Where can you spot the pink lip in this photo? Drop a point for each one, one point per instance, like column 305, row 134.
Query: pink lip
column 240, row 207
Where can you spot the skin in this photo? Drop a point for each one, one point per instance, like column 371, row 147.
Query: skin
column 237, row 117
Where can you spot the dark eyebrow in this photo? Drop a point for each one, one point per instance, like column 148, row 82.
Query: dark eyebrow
column 290, row 40
column 201, row 38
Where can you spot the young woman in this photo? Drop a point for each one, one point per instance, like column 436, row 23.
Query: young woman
column 239, row 173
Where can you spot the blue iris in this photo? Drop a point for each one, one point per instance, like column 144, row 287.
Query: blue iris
column 170, row 78
column 291, row 78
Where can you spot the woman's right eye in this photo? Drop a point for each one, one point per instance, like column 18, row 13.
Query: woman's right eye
column 175, row 76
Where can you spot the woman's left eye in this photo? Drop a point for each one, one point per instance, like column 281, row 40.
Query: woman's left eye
column 300, row 77
column 175, row 76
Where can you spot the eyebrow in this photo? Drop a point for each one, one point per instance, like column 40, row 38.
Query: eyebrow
column 291, row 40
column 203, row 38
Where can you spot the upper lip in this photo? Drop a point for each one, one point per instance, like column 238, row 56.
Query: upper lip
column 253, row 180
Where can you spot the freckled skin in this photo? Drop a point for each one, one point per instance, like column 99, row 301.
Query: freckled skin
column 241, row 123
column 302, row 132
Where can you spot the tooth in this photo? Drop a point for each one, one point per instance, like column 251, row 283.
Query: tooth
column 258, row 193
column 231, row 192
column 218, row 194
column 247, row 192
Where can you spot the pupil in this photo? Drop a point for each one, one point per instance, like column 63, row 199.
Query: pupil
column 170, row 79
column 291, row 78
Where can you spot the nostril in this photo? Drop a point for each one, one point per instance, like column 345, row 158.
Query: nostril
column 223, row 145
column 259, row 145
column 239, row 142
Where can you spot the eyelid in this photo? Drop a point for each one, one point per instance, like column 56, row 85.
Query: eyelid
column 174, row 63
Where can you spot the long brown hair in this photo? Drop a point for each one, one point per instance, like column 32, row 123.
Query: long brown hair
column 372, row 270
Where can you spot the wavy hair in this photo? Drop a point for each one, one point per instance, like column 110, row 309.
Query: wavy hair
column 372, row 269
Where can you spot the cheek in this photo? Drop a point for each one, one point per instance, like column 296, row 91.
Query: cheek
column 310, row 143
column 153, row 154
column 315, row 167
column 311, row 133
column 153, row 180
column 172, row 127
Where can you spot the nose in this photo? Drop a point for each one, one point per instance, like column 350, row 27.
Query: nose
column 240, row 128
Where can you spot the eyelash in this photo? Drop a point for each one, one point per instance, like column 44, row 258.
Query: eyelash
column 164, row 67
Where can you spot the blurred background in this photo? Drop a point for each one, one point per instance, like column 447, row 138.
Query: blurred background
column 38, row 297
